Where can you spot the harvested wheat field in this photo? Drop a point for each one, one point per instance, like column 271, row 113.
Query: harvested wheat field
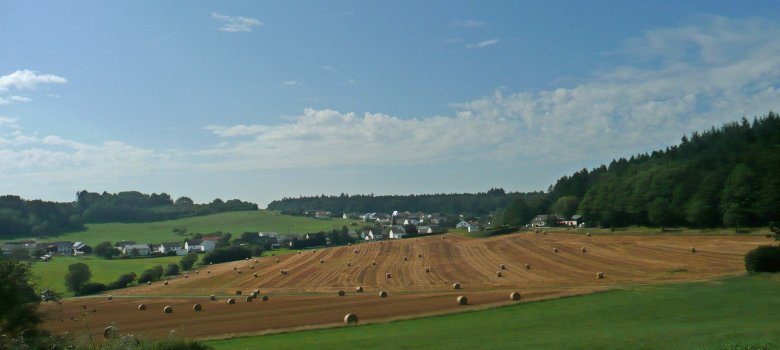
column 307, row 296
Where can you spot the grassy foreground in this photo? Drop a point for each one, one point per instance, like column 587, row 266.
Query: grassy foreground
column 51, row 274
column 233, row 222
column 734, row 313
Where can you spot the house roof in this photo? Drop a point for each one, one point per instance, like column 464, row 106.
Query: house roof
column 576, row 217
column 62, row 244
column 136, row 246
column 123, row 243
column 169, row 245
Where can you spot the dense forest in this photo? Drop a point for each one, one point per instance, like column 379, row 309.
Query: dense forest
column 19, row 217
column 729, row 176
column 454, row 203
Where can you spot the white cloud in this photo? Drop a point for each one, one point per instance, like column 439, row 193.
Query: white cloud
column 234, row 24
column 468, row 24
column 485, row 43
column 616, row 112
column 291, row 83
column 27, row 79
column 326, row 67
column 24, row 80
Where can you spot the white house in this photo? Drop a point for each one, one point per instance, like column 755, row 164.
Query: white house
column 61, row 247
column 373, row 236
column 411, row 221
column 169, row 247
column 200, row 245
column 137, row 249
column 396, row 232
column 473, row 228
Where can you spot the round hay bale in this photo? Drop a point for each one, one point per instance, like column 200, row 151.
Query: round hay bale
column 265, row 298
column 427, row 269
column 544, row 232
column 502, row 266
column 527, row 266
column 442, row 237
column 168, row 309
column 462, row 300
column 255, row 261
column 322, row 261
column 231, row 301
column 373, row 263
column 110, row 297
column 239, row 272
column 350, row 319
column 141, row 307
column 349, row 263
column 383, row 294
column 252, row 267
column 587, row 234
column 277, row 261
column 456, row 285
column 110, row 332
column 255, row 274
column 314, row 251
column 583, row 250
column 212, row 297
column 299, row 252
column 84, row 306
column 342, row 293
column 248, row 298
column 693, row 249
column 208, row 271
column 197, row 307
column 359, row 289
column 514, row 296
column 238, row 292
column 555, row 250
column 283, row 272
column 380, row 242
column 388, row 275
column 349, row 244
column 247, row 259
column 148, row 283
column 406, row 259
column 235, row 268
column 211, row 263
column 188, row 276
column 499, row 274
column 599, row 275
column 197, row 272
column 419, row 255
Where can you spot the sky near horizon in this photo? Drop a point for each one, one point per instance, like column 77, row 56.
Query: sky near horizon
column 264, row 100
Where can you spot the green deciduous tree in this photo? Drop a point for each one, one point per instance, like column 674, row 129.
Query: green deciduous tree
column 78, row 274
column 18, row 301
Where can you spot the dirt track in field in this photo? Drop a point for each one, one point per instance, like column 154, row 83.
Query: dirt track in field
column 307, row 295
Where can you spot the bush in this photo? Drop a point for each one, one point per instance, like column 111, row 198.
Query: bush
column 763, row 259
column 172, row 270
column 188, row 260
column 231, row 253
column 150, row 275
column 122, row 281
column 92, row 288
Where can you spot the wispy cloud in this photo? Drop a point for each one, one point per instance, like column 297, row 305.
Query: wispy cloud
column 326, row 67
column 470, row 23
column 24, row 80
column 620, row 111
column 485, row 43
column 235, row 24
column 291, row 83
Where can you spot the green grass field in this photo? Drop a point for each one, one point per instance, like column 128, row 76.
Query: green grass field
column 734, row 313
column 51, row 274
column 233, row 222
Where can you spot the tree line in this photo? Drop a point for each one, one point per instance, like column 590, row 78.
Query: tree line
column 20, row 217
column 481, row 203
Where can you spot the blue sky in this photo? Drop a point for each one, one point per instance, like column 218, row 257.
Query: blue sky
column 261, row 100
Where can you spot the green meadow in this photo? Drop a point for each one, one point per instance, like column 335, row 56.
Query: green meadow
column 233, row 222
column 733, row 313
column 51, row 274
